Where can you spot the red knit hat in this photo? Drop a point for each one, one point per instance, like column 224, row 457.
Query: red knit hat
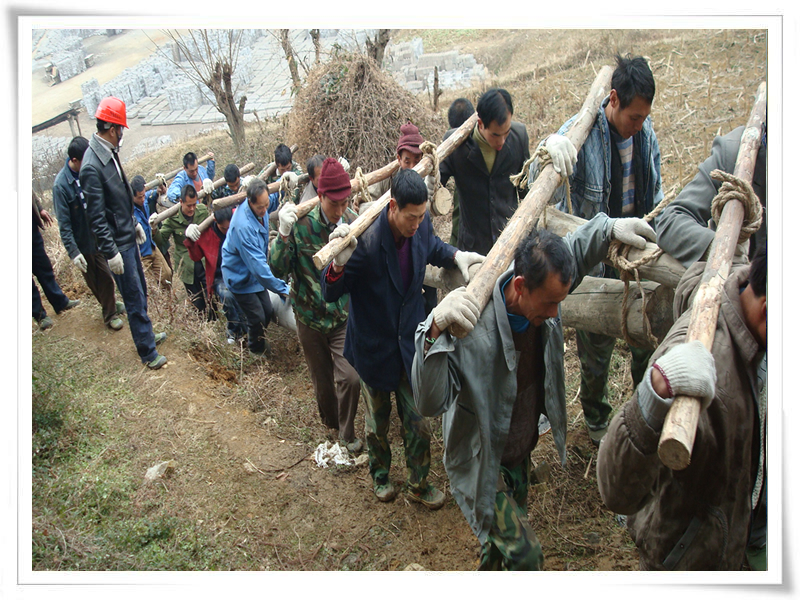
column 333, row 181
column 410, row 139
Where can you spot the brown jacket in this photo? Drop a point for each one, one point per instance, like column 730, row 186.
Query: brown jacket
column 697, row 518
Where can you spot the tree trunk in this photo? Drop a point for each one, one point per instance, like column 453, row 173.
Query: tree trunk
column 287, row 50
column 377, row 48
column 436, row 91
column 315, row 41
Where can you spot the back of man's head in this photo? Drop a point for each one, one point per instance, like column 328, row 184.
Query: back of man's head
column 540, row 254
column 408, row 187
column 283, row 155
column 223, row 214
column 632, row 78
column 231, row 173
column 460, row 110
column 137, row 184
column 495, row 105
column 77, row 148
column 255, row 189
column 758, row 271
column 188, row 192
column 189, row 159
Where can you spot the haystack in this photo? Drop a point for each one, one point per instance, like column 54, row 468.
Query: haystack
column 349, row 107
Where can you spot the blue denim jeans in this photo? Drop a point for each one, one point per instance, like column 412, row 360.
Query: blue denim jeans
column 43, row 271
column 133, row 289
column 237, row 322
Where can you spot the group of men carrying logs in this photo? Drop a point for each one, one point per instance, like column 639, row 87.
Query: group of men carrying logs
column 684, row 458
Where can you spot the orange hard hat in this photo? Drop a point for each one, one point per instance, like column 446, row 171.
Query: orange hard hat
column 111, row 110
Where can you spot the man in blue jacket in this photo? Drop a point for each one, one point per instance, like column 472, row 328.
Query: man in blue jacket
column 383, row 275
column 193, row 174
column 617, row 172
column 244, row 265
column 77, row 236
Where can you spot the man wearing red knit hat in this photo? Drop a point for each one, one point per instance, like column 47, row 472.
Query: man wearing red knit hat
column 321, row 326
column 408, row 155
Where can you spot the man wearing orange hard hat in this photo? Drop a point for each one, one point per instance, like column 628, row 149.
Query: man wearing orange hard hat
column 109, row 205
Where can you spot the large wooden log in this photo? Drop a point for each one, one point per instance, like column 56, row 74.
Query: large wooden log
column 423, row 167
column 167, row 176
column 539, row 193
column 664, row 269
column 239, row 198
column 680, row 427
column 173, row 210
column 596, row 306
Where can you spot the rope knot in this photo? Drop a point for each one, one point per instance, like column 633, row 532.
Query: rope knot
column 735, row 188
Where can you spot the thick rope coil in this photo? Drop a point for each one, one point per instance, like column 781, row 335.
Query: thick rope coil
column 363, row 194
column 429, row 148
column 162, row 180
column 284, row 191
column 735, row 188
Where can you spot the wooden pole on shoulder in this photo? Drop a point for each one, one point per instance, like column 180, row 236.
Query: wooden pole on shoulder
column 167, row 176
column 539, row 193
column 423, row 167
column 680, row 426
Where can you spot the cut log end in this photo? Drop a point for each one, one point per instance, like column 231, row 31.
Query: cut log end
column 674, row 454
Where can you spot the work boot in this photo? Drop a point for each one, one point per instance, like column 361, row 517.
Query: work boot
column 45, row 323
column 386, row 492
column 431, row 497
column 597, row 435
column 70, row 304
column 160, row 337
column 120, row 307
column 355, row 446
column 115, row 324
column 159, row 361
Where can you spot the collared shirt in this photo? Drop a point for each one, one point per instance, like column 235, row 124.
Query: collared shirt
column 114, row 153
column 489, row 153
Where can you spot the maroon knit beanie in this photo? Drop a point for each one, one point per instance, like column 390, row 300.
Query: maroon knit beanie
column 410, row 139
column 333, row 181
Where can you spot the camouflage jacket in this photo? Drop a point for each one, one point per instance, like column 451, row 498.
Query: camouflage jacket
column 294, row 256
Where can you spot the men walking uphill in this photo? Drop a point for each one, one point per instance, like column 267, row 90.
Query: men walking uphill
column 617, row 172
column 152, row 259
column 194, row 174
column 321, row 326
column 481, row 167
column 77, row 236
column 244, row 265
column 109, row 204
column 712, row 514
column 492, row 385
column 383, row 274
column 186, row 224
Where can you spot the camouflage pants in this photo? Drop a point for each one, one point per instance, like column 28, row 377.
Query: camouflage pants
column 594, row 352
column 416, row 434
column 512, row 544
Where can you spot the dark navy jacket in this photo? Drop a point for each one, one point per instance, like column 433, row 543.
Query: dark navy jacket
column 380, row 330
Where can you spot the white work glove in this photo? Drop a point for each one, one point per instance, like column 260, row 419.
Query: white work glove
column 208, row 186
column 633, row 231
column 141, row 236
column 689, row 371
column 287, row 217
column 80, row 262
column 459, row 307
column 152, row 219
column 563, row 154
column 345, row 165
column 246, row 181
column 116, row 265
column 464, row 260
column 291, row 179
column 193, row 232
column 341, row 231
column 430, row 183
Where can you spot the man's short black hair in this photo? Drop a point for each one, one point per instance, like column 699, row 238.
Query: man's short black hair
column 758, row 271
column 189, row 159
column 632, row 78
column 231, row 173
column 77, row 148
column 223, row 214
column 495, row 105
column 460, row 110
column 137, row 184
column 540, row 254
column 314, row 163
column 255, row 189
column 408, row 187
column 188, row 191
column 283, row 155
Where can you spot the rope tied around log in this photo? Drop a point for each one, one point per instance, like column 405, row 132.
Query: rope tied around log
column 735, row 188
column 363, row 194
column 429, row 148
column 283, row 191
column 520, row 180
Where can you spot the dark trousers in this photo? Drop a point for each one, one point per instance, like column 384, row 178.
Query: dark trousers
column 133, row 289
column 336, row 383
column 43, row 271
column 197, row 291
column 101, row 281
column 257, row 309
